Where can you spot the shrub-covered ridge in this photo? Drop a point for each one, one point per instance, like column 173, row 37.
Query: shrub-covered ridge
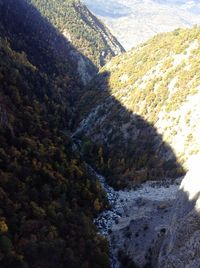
column 147, row 98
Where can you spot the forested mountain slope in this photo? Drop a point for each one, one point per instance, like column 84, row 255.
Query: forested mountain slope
column 47, row 198
column 56, row 43
column 157, row 83
column 87, row 33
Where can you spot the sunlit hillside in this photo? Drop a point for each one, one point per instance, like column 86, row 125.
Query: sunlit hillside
column 159, row 82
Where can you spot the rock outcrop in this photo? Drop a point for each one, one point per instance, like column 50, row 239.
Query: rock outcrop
column 181, row 247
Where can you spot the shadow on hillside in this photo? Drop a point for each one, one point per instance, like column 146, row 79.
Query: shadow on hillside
column 128, row 150
column 132, row 150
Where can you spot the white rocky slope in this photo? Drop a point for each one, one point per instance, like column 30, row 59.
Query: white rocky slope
column 181, row 247
column 165, row 94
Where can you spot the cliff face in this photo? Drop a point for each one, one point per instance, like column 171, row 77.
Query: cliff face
column 182, row 242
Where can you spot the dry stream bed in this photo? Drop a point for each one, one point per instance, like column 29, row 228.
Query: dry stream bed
column 137, row 221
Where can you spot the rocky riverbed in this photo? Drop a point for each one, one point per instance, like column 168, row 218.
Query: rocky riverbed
column 137, row 221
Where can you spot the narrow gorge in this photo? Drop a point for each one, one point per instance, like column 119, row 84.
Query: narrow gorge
column 99, row 148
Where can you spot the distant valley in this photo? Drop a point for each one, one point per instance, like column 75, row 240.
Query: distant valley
column 133, row 21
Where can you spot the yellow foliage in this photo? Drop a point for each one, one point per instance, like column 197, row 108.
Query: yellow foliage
column 3, row 226
column 97, row 205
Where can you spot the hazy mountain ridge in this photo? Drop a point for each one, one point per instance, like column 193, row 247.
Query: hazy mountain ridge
column 136, row 21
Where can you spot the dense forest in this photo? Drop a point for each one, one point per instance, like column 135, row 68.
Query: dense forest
column 47, row 197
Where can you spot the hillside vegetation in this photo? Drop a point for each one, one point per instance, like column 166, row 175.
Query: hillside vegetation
column 87, row 33
column 47, row 197
column 159, row 84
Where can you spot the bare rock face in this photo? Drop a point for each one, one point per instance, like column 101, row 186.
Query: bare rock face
column 181, row 247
